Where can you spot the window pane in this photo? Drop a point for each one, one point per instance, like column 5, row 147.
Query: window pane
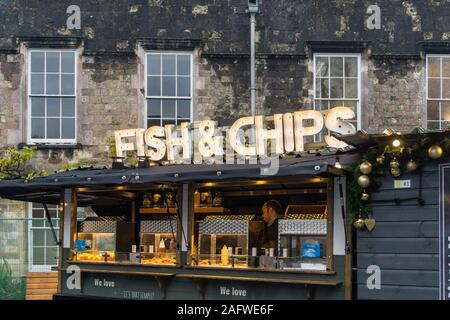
column 321, row 66
column 153, row 122
column 68, row 128
column 322, row 88
column 37, row 214
column 52, row 61
column 38, row 238
column 168, row 86
column 37, row 61
column 67, row 84
column 321, row 105
column 68, row 62
column 168, row 64
column 433, row 110
column 168, row 108
column 446, row 67
column 50, row 241
column 183, row 86
column 52, row 84
column 154, row 86
column 434, row 88
column 336, row 67
column 53, row 107
column 154, row 64
column 445, row 88
column 53, row 130
column 38, row 256
column 434, row 67
column 184, row 109
column 337, row 88
column 184, row 65
column 351, row 88
column 68, row 107
column 338, row 103
column 351, row 67
column 37, row 128
column 433, row 125
column 445, row 110
column 37, row 107
column 37, row 84
column 51, row 256
column 153, row 108
column 165, row 121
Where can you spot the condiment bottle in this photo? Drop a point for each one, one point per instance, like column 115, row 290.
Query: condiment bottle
column 162, row 245
column 224, row 255
column 197, row 198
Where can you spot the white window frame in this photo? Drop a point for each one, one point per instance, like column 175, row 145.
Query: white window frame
column 29, row 96
column 426, row 90
column 190, row 97
column 39, row 267
column 359, row 83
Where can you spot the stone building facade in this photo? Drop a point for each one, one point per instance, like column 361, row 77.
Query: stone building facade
column 385, row 47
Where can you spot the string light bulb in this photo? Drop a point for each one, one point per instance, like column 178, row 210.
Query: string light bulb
column 337, row 164
column 396, row 143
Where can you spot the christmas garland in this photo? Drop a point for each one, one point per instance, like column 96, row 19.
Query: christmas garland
column 364, row 178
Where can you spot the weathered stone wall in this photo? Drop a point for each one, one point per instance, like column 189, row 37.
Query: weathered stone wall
column 110, row 79
column 11, row 68
column 394, row 95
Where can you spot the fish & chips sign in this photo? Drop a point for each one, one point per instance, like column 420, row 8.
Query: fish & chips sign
column 248, row 136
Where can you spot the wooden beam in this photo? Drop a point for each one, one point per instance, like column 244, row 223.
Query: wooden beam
column 261, row 279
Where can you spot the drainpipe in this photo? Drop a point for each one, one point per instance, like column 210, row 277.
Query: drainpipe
column 252, row 10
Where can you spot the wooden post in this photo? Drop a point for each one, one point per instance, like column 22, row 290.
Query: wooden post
column 330, row 207
column 61, row 214
column 73, row 219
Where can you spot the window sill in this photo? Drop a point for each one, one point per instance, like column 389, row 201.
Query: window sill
column 45, row 146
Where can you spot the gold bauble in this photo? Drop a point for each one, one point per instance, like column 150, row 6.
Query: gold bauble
column 395, row 172
column 363, row 181
column 435, row 152
column 394, row 164
column 359, row 224
column 364, row 196
column 380, row 159
column 365, row 167
column 411, row 165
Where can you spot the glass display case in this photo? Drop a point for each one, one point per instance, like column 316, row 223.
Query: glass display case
column 103, row 240
column 224, row 243
column 158, row 242
column 302, row 244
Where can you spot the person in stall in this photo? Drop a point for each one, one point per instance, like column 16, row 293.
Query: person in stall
column 271, row 212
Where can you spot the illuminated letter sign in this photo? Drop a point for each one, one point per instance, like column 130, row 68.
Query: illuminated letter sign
column 286, row 135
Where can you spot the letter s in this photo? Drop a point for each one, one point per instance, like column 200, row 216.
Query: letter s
column 334, row 122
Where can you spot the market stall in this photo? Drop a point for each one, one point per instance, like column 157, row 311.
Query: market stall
column 200, row 231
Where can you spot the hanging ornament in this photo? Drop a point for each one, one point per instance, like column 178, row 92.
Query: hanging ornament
column 395, row 172
column 394, row 164
column 359, row 224
column 365, row 167
column 435, row 152
column 411, row 165
column 364, row 196
column 370, row 223
column 363, row 181
column 380, row 159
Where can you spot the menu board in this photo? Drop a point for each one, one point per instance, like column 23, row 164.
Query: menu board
column 444, row 227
